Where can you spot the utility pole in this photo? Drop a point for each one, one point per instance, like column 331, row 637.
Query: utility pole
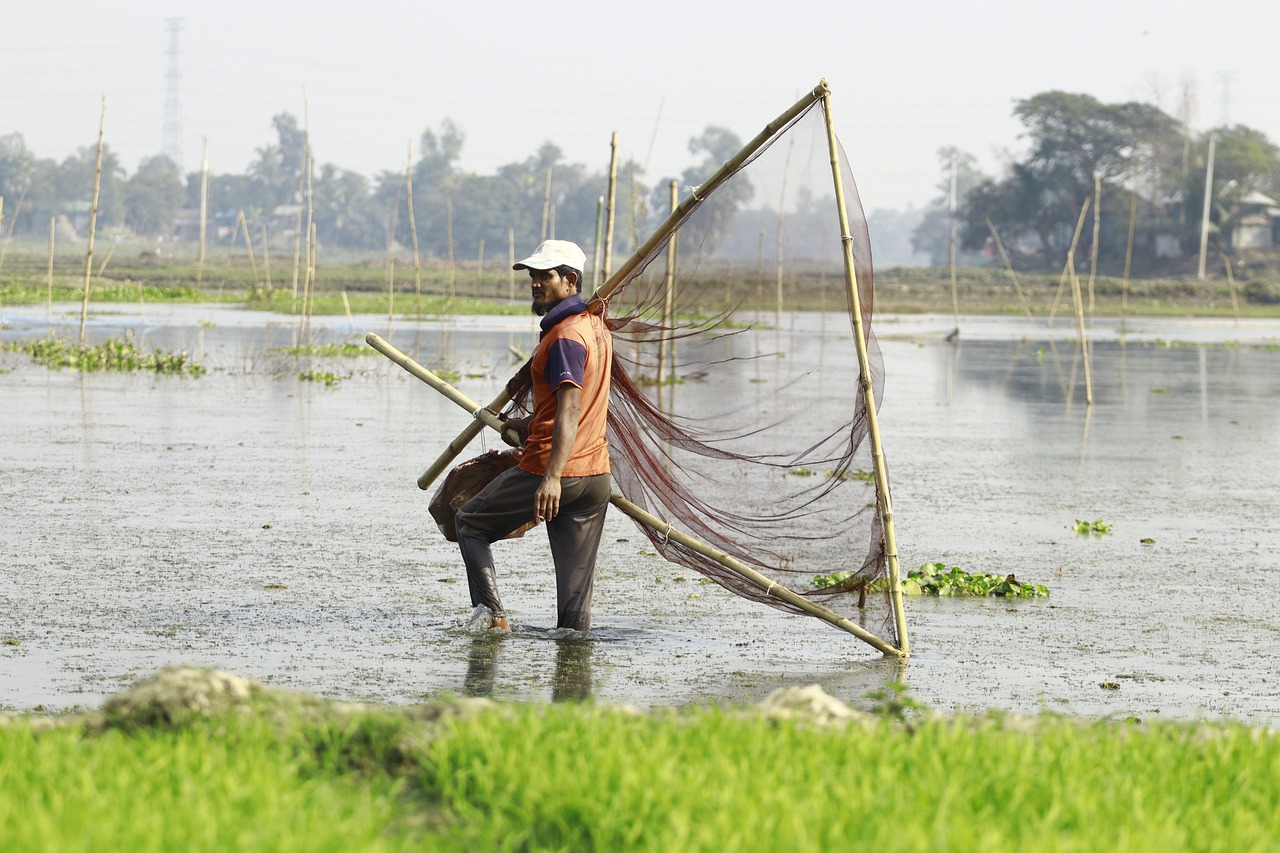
column 172, row 147
column 1208, row 197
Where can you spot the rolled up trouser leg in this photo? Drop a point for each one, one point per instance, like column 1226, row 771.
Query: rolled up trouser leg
column 574, row 535
column 499, row 508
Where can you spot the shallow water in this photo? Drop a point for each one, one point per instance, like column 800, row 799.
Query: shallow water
column 249, row 520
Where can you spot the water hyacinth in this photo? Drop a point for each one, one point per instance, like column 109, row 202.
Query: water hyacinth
column 111, row 354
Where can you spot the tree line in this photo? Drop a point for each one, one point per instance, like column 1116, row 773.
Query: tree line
column 1152, row 170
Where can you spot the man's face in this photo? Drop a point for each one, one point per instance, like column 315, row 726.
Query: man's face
column 549, row 289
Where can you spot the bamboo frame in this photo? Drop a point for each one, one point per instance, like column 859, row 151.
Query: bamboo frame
column 484, row 417
column 664, row 230
column 93, row 220
column 864, row 367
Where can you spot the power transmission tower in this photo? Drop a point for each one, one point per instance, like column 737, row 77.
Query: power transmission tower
column 172, row 100
column 1226, row 78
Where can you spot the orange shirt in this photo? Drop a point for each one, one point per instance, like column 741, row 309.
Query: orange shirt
column 575, row 347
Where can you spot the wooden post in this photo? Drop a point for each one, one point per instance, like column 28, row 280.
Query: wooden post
column 864, row 367
column 609, row 207
column 486, row 417
column 93, row 220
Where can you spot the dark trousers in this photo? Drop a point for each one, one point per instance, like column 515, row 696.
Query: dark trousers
column 574, row 534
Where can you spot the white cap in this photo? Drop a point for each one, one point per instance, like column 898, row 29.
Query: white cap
column 554, row 253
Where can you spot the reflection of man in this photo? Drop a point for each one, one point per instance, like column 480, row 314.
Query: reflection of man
column 563, row 476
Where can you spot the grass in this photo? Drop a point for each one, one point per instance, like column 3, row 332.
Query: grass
column 283, row 775
column 111, row 354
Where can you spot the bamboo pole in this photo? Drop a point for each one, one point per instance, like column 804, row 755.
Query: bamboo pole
column 1231, row 280
column 297, row 252
column 485, row 417
column 1097, row 232
column 1208, row 199
column 1008, row 265
column 204, row 208
column 1128, row 257
column 480, row 263
column 248, row 246
column 597, row 272
column 1070, row 262
column 8, row 235
column 307, row 168
column 546, row 205
column 413, row 232
column 1084, row 341
column 668, row 299
column 448, row 232
column 668, row 227
column 951, row 251
column 782, row 201
column 609, row 207
column 346, row 306
column 93, row 220
column 111, row 250
column 511, row 264
column 864, row 367
column 48, row 295
column 266, row 259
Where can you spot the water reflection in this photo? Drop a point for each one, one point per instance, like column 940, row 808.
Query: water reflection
column 571, row 682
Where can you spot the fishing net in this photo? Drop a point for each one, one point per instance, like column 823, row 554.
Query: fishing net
column 735, row 420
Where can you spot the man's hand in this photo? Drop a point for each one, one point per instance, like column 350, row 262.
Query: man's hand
column 546, row 501
column 515, row 431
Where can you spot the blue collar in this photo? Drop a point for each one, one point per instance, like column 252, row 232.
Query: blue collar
column 567, row 307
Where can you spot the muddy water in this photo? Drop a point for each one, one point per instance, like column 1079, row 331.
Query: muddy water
column 253, row 521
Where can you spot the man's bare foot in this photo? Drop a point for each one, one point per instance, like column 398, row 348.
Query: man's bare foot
column 501, row 623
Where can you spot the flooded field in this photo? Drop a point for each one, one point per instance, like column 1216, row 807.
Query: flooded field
column 251, row 520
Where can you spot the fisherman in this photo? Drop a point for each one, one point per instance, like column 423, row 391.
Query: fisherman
column 563, row 475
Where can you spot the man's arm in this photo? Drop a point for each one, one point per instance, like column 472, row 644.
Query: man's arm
column 563, row 432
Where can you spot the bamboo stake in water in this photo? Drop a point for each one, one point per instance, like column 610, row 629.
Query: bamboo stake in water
column 1070, row 262
column 448, row 238
column 204, row 208
column 955, row 290
column 93, row 220
column 248, row 245
column 1084, row 341
column 1097, row 231
column 597, row 271
column 297, row 251
column 266, row 259
column 1008, row 265
column 609, row 206
column 485, row 417
column 1128, row 257
column 864, row 369
column 8, row 235
column 511, row 264
column 1231, row 280
column 668, row 299
column 413, row 233
column 346, row 306
column 48, row 296
column 782, row 203
column 111, row 250
column 310, row 232
column 546, row 205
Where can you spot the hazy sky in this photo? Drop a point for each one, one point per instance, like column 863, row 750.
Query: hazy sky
column 907, row 78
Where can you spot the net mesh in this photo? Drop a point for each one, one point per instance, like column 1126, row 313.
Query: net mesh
column 732, row 427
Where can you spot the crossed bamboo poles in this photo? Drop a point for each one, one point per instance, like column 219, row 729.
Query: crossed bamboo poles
column 486, row 415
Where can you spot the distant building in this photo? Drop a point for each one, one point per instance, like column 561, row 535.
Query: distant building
column 1258, row 225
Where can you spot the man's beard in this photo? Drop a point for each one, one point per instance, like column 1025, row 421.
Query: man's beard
column 542, row 309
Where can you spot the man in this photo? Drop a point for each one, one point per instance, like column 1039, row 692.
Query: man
column 563, row 475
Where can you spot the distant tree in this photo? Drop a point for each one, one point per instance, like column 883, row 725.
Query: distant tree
column 153, row 196
column 75, row 184
column 344, row 211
